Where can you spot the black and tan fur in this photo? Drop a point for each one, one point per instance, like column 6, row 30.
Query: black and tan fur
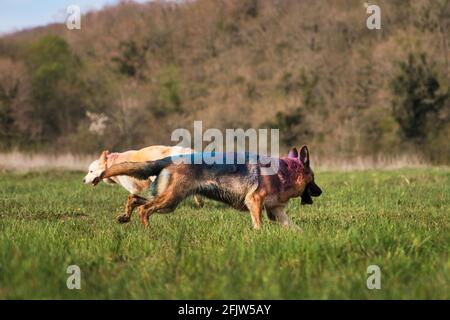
column 242, row 186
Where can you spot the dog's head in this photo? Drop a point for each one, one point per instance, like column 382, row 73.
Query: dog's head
column 311, row 189
column 96, row 168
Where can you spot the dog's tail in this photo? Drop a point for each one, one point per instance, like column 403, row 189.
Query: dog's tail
column 139, row 170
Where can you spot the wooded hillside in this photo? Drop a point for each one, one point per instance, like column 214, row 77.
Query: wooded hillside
column 134, row 72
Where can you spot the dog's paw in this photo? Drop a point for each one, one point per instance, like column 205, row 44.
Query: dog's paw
column 123, row 219
column 292, row 226
column 296, row 228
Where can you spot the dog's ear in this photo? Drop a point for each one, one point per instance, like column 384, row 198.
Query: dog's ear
column 293, row 153
column 104, row 158
column 304, row 156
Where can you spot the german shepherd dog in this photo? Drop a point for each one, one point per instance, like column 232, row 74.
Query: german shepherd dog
column 242, row 186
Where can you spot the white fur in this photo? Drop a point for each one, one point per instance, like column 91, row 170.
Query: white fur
column 132, row 185
column 94, row 172
column 127, row 182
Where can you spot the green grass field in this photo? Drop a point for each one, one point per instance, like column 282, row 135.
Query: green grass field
column 398, row 220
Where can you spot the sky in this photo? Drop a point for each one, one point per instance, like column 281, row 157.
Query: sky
column 21, row 14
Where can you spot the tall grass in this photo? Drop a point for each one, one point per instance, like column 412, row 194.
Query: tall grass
column 398, row 220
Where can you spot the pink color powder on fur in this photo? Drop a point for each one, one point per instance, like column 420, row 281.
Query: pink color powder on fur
column 111, row 157
column 289, row 171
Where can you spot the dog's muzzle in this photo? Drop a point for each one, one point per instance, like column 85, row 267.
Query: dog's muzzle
column 314, row 190
column 311, row 190
column 96, row 181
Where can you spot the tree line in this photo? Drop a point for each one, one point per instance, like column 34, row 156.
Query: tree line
column 135, row 72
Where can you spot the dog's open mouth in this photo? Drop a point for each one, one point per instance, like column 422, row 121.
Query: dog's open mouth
column 311, row 190
column 96, row 181
column 306, row 198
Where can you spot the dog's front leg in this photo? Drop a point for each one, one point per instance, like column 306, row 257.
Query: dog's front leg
column 254, row 204
column 279, row 215
column 132, row 202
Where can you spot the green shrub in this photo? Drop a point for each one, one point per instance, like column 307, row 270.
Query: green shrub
column 417, row 96
column 169, row 98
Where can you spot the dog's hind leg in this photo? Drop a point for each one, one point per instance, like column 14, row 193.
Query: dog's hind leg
column 171, row 190
column 160, row 204
column 254, row 203
column 133, row 202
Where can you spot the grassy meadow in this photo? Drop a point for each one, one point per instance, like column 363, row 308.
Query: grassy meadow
column 398, row 220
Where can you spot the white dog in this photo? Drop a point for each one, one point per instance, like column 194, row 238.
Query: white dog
column 138, row 189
